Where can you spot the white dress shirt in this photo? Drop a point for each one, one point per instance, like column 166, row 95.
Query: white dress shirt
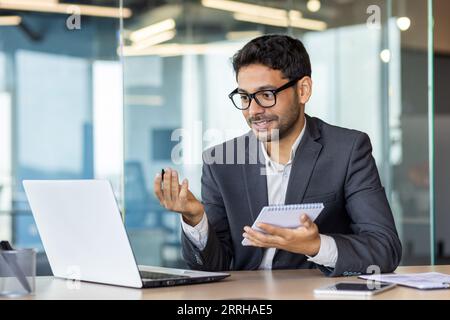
column 277, row 182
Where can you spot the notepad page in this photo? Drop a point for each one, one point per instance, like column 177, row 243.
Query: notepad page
column 286, row 216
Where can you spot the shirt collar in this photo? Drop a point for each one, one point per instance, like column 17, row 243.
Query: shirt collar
column 293, row 149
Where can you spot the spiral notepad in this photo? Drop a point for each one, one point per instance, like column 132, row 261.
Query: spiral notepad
column 286, row 216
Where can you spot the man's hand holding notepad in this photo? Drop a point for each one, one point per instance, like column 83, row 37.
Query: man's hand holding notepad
column 285, row 216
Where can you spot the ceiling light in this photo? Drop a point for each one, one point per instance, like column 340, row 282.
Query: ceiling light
column 385, row 55
column 239, row 35
column 151, row 41
column 245, row 8
column 52, row 6
column 151, row 30
column 10, row 20
column 302, row 23
column 265, row 15
column 295, row 14
column 178, row 49
column 403, row 23
column 313, row 5
column 309, row 24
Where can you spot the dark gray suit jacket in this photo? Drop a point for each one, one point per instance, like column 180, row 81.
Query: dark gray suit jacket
column 332, row 165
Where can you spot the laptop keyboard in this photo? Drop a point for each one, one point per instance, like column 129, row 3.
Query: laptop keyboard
column 159, row 275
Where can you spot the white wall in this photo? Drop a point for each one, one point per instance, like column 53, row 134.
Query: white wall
column 53, row 105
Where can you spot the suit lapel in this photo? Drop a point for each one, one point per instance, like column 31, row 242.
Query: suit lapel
column 254, row 177
column 303, row 165
column 255, row 183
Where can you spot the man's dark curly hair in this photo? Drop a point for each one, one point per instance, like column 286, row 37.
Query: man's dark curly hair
column 279, row 52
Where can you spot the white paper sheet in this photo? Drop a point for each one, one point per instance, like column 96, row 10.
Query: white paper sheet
column 426, row 280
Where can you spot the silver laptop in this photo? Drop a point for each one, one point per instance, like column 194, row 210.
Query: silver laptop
column 85, row 239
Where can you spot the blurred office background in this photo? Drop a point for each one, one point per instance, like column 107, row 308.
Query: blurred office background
column 133, row 86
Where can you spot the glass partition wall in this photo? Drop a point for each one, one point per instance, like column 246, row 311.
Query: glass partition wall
column 370, row 71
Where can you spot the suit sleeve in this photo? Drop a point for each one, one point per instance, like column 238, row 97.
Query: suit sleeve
column 218, row 252
column 374, row 241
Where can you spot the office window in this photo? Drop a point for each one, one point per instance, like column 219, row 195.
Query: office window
column 162, row 144
column 54, row 82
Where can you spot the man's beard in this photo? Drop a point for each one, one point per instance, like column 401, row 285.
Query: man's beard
column 285, row 125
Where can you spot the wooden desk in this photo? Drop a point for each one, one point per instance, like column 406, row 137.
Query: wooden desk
column 285, row 284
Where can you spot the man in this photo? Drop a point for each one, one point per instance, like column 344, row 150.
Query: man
column 304, row 160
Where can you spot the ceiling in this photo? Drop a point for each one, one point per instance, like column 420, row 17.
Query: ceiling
column 205, row 24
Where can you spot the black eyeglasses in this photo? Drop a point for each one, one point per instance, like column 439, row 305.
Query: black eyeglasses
column 264, row 98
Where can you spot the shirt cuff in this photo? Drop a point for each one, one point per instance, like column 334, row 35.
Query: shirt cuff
column 198, row 234
column 328, row 253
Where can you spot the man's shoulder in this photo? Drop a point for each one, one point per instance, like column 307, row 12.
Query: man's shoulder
column 335, row 134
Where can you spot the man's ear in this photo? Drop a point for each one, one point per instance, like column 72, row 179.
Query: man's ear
column 304, row 89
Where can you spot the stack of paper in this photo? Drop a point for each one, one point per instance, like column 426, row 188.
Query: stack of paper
column 426, row 280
